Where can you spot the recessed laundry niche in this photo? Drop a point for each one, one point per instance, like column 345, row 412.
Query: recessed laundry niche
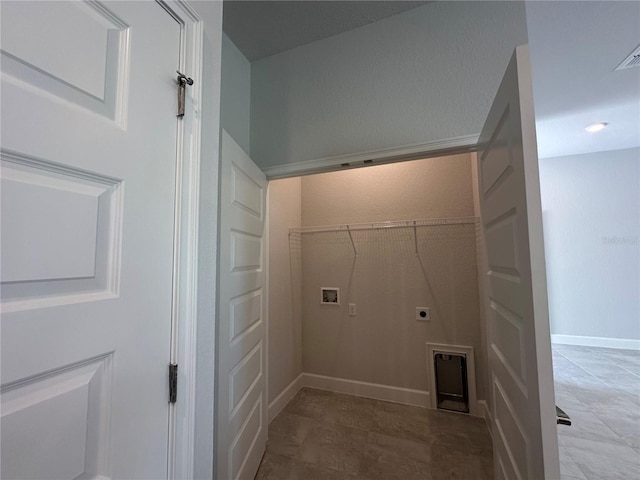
column 391, row 238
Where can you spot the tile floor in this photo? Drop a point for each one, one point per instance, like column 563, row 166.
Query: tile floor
column 327, row 436
column 599, row 388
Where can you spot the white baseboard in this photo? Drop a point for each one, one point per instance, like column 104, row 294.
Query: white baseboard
column 623, row 343
column 485, row 413
column 407, row 396
column 285, row 397
column 371, row 390
column 483, row 410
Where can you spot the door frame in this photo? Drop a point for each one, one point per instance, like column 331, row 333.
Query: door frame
column 181, row 421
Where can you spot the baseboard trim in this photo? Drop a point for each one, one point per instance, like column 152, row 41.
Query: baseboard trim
column 485, row 413
column 623, row 343
column 407, row 396
column 285, row 397
column 449, row 146
column 483, row 409
column 370, row 390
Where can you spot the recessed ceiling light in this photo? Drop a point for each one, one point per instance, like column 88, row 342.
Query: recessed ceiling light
column 596, row 127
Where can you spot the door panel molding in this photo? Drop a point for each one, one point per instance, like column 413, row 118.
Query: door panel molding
column 99, row 79
column 80, row 247
column 81, row 448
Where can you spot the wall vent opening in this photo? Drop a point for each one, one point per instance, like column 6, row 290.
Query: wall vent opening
column 633, row 60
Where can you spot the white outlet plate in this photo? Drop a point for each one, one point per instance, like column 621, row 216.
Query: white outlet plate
column 352, row 309
column 423, row 314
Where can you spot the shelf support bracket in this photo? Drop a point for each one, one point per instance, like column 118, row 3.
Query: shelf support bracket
column 355, row 252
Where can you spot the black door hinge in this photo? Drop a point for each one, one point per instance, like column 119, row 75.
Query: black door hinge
column 173, row 382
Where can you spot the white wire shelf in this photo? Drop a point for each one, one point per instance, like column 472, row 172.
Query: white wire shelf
column 352, row 227
column 412, row 224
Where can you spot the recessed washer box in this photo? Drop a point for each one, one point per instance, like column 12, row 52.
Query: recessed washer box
column 329, row 296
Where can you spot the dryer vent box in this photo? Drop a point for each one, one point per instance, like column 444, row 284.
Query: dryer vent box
column 452, row 387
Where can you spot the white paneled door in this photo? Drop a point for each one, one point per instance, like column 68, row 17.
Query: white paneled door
column 519, row 346
column 88, row 183
column 241, row 396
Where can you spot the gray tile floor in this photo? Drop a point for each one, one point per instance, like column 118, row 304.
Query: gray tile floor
column 599, row 388
column 327, row 436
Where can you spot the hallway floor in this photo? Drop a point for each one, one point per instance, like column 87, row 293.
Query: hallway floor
column 599, row 388
column 326, row 436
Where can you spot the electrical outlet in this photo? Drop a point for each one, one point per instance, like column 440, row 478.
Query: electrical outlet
column 423, row 314
column 352, row 309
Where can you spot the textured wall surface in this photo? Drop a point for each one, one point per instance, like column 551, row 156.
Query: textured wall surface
column 591, row 214
column 235, row 95
column 384, row 343
column 285, row 327
column 424, row 75
column 439, row 187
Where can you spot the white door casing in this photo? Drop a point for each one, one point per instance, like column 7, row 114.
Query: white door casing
column 519, row 345
column 88, row 197
column 182, row 414
column 241, row 396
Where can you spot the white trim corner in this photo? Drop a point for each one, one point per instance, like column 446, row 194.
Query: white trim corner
column 285, row 397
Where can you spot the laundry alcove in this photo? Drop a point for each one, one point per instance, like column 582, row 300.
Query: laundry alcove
column 392, row 238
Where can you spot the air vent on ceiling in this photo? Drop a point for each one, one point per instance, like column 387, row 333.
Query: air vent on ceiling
column 631, row 61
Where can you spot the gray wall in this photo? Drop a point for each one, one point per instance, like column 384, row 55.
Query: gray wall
column 591, row 213
column 424, row 75
column 235, row 95
column 383, row 343
column 285, row 327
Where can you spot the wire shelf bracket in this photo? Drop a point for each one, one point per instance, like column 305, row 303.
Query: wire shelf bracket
column 355, row 252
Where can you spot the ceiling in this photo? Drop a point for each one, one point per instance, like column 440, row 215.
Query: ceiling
column 575, row 48
column 263, row 28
